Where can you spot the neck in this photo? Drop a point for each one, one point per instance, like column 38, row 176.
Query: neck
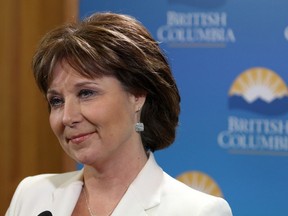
column 104, row 188
column 120, row 172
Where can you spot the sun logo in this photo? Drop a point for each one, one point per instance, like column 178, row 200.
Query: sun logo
column 259, row 90
column 201, row 182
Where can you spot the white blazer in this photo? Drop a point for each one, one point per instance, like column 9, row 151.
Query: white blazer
column 152, row 193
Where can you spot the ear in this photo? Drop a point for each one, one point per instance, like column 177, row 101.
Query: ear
column 139, row 101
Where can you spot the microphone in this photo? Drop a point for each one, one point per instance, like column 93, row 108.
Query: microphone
column 45, row 213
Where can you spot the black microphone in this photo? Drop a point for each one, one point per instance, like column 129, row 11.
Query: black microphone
column 45, row 213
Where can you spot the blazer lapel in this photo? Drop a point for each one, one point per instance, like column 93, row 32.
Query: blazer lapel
column 65, row 196
column 129, row 207
column 144, row 192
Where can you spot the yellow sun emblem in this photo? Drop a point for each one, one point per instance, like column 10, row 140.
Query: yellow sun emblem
column 259, row 83
column 201, row 182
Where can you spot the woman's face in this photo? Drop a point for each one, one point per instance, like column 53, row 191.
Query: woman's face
column 93, row 119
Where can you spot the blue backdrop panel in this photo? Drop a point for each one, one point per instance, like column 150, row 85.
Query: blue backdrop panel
column 230, row 62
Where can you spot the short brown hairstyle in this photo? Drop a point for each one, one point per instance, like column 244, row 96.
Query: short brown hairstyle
column 109, row 44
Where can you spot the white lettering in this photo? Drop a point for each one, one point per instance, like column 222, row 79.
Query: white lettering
column 196, row 27
column 258, row 126
column 179, row 34
column 240, row 141
column 211, row 19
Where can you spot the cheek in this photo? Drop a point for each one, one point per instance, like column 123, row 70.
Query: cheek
column 111, row 115
column 54, row 124
column 122, row 117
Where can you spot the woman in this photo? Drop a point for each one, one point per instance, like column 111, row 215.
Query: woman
column 113, row 101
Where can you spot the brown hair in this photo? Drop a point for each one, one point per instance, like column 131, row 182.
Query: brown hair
column 108, row 44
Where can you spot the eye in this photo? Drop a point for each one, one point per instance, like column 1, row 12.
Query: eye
column 86, row 93
column 55, row 102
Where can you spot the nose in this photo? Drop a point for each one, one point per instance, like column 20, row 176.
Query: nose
column 71, row 113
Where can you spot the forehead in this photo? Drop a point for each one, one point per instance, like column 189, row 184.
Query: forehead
column 64, row 76
column 63, row 69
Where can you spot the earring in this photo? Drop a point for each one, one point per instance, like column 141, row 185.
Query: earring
column 139, row 127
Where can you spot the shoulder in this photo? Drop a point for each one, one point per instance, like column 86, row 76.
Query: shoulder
column 36, row 193
column 53, row 180
column 181, row 197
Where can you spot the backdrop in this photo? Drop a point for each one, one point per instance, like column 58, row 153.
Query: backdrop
column 230, row 62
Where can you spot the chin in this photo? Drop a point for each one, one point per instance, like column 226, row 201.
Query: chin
column 84, row 159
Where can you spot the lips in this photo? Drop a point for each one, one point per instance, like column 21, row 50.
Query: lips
column 77, row 139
